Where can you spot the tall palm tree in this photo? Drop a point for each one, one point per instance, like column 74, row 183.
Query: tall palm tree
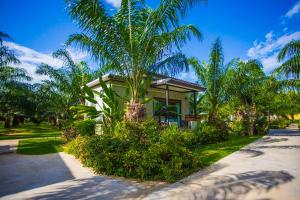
column 134, row 40
column 290, row 54
column 13, row 82
column 211, row 76
column 64, row 89
column 244, row 84
column 70, row 78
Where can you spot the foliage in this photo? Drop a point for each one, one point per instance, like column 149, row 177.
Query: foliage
column 208, row 134
column 261, row 125
column 244, row 87
column 280, row 123
column 40, row 146
column 14, row 87
column 166, row 156
column 134, row 41
column 137, row 150
column 238, row 128
column 290, row 54
column 110, row 111
column 172, row 135
column 63, row 90
column 211, row 76
column 85, row 127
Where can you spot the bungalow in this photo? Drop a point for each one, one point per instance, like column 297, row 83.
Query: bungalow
column 169, row 98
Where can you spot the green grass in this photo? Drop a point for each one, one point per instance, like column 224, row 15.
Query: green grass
column 29, row 130
column 39, row 146
column 211, row 153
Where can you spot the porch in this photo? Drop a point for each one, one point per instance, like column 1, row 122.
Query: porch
column 169, row 110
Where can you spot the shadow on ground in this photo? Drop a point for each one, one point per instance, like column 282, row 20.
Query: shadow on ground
column 92, row 188
column 19, row 173
column 234, row 185
column 231, row 186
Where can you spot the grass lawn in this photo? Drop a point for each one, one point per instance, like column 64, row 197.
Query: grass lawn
column 211, row 153
column 29, row 130
column 208, row 154
column 39, row 146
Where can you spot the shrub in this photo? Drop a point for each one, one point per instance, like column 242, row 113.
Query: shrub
column 70, row 133
column 279, row 124
column 173, row 135
column 137, row 150
column 238, row 128
column 207, row 134
column 85, row 127
column 261, row 125
column 144, row 132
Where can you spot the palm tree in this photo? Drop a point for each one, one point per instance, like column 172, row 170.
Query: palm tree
column 13, row 83
column 64, row 89
column 135, row 40
column 244, row 83
column 70, row 78
column 291, row 54
column 211, row 76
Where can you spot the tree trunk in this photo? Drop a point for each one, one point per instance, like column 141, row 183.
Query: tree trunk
column 136, row 111
column 7, row 123
column 251, row 112
column 212, row 114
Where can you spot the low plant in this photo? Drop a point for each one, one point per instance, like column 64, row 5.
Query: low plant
column 261, row 125
column 85, row 127
column 279, row 124
column 137, row 150
column 208, row 133
column 238, row 128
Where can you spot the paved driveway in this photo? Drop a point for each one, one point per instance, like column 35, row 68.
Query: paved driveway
column 266, row 169
column 60, row 176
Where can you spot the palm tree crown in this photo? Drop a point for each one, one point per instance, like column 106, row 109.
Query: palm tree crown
column 211, row 76
column 136, row 39
column 290, row 54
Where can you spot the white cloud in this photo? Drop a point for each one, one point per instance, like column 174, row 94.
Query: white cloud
column 267, row 51
column 269, row 36
column 114, row 3
column 30, row 59
column 293, row 11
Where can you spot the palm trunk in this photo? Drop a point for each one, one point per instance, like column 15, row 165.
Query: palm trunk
column 251, row 113
column 136, row 111
column 213, row 114
column 7, row 123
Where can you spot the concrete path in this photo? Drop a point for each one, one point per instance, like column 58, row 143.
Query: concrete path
column 60, row 176
column 8, row 146
column 266, row 169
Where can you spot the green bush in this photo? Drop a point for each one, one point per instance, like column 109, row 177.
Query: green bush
column 261, row 125
column 137, row 150
column 173, row 135
column 85, row 127
column 238, row 128
column 207, row 134
column 279, row 124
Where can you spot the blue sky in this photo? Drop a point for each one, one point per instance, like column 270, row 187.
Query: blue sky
column 248, row 29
